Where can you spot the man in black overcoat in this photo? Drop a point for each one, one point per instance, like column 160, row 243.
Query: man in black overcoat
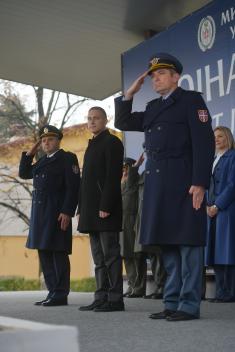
column 100, row 211
column 180, row 149
column 56, row 179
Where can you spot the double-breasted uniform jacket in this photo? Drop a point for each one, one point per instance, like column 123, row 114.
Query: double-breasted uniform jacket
column 179, row 145
column 101, row 185
column 55, row 190
column 220, row 247
column 130, row 206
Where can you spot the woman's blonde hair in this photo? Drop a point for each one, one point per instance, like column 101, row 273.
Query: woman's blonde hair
column 228, row 135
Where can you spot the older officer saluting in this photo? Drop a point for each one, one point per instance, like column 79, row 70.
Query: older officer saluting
column 180, row 149
column 56, row 179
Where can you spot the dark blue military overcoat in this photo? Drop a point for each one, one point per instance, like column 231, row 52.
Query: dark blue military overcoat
column 180, row 148
column 56, row 186
column 220, row 247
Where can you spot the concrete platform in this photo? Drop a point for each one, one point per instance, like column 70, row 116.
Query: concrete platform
column 24, row 335
column 131, row 330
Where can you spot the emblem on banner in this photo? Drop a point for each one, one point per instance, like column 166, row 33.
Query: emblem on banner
column 206, row 33
column 203, row 115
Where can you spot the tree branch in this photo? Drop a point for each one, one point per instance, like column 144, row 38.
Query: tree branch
column 54, row 107
column 50, row 104
column 41, row 115
column 15, row 180
column 66, row 118
column 17, row 211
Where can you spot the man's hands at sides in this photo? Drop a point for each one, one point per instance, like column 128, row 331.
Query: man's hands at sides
column 102, row 214
column 64, row 221
column 197, row 193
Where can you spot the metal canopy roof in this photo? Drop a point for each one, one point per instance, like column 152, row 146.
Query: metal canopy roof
column 75, row 45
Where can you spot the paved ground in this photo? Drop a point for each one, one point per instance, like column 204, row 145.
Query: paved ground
column 130, row 331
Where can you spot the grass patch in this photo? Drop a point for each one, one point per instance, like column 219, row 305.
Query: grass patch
column 83, row 285
column 21, row 284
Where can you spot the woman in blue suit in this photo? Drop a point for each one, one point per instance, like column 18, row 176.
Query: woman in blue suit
column 220, row 249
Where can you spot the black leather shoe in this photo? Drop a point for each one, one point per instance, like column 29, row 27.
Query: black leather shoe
column 97, row 303
column 53, row 302
column 162, row 315
column 154, row 296
column 227, row 300
column 213, row 300
column 181, row 316
column 157, row 296
column 133, row 295
column 221, row 300
column 111, row 307
column 39, row 303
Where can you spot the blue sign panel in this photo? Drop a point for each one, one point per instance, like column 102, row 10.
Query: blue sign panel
column 205, row 44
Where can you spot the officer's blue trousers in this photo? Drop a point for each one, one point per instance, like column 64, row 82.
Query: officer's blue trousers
column 56, row 270
column 225, row 281
column 183, row 287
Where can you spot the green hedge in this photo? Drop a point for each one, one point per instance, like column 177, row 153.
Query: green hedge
column 18, row 284
column 83, row 285
column 21, row 284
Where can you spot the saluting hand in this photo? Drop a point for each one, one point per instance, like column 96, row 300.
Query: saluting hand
column 198, row 194
column 103, row 214
column 34, row 148
column 64, row 221
column 135, row 87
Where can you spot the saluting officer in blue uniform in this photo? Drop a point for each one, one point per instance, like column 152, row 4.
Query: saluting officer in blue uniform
column 180, row 149
column 56, row 178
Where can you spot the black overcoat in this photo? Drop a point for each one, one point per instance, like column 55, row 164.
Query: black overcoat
column 179, row 144
column 55, row 190
column 101, row 185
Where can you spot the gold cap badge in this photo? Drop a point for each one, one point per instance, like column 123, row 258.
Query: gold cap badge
column 155, row 60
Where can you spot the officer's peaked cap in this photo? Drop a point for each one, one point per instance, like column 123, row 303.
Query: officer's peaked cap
column 164, row 60
column 49, row 130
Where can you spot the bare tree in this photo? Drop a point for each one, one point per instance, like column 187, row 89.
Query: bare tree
column 16, row 117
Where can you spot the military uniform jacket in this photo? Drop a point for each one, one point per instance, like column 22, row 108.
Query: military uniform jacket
column 129, row 205
column 55, row 190
column 101, row 185
column 180, row 148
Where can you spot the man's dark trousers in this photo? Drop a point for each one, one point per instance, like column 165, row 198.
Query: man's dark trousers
column 56, row 270
column 105, row 250
column 183, row 287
